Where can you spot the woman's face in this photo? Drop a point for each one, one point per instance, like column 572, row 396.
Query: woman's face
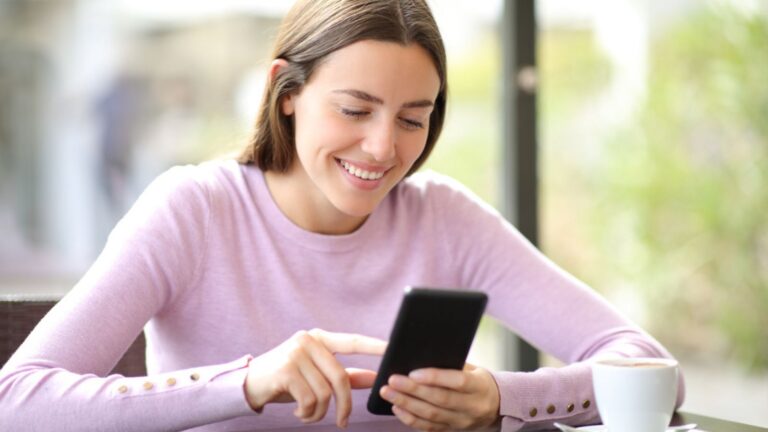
column 361, row 121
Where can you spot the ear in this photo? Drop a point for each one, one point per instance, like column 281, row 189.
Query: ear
column 286, row 104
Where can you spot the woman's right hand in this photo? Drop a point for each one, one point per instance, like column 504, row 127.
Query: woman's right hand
column 304, row 369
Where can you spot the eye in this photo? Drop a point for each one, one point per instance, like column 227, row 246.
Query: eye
column 411, row 124
column 354, row 114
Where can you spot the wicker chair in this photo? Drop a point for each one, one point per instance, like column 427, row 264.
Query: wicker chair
column 18, row 318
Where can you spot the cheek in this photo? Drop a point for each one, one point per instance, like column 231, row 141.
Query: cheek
column 338, row 131
column 411, row 148
column 319, row 133
column 331, row 124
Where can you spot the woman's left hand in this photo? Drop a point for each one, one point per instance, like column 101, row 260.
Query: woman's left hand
column 444, row 399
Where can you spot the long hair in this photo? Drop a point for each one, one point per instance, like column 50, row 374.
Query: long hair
column 312, row 30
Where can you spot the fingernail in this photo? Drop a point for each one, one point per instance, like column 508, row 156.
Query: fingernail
column 417, row 374
column 397, row 381
column 386, row 392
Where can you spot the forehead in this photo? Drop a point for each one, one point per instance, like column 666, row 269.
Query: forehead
column 389, row 70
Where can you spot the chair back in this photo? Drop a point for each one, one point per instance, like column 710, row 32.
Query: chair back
column 19, row 317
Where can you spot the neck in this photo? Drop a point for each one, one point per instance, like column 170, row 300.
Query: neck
column 307, row 207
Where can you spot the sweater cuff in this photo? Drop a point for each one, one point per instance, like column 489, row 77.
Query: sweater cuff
column 530, row 400
column 228, row 385
column 215, row 391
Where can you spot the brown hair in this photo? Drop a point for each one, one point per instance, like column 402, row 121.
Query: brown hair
column 314, row 29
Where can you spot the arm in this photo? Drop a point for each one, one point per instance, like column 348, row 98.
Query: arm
column 538, row 301
column 556, row 313
column 57, row 378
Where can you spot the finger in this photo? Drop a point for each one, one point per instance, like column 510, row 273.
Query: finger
column 347, row 343
column 415, row 422
column 475, row 396
column 361, row 378
column 319, row 387
column 438, row 396
column 412, row 421
column 302, row 393
column 448, row 378
column 423, row 410
column 334, row 375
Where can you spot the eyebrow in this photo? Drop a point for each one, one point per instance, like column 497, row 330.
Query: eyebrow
column 359, row 94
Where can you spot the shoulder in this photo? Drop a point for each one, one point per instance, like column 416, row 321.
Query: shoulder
column 196, row 181
column 203, row 175
column 185, row 191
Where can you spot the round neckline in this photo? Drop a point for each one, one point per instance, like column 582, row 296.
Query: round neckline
column 279, row 222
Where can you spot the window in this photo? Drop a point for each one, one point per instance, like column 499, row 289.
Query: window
column 654, row 154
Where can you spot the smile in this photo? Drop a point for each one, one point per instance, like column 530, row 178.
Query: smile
column 361, row 173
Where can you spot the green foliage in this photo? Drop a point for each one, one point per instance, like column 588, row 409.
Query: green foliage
column 468, row 148
column 690, row 177
column 570, row 68
column 474, row 76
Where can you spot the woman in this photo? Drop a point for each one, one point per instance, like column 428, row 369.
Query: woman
column 318, row 225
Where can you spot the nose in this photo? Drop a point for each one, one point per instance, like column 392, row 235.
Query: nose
column 380, row 142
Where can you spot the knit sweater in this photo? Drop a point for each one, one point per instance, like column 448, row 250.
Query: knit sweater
column 215, row 274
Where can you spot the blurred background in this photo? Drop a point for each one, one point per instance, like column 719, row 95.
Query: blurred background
column 653, row 141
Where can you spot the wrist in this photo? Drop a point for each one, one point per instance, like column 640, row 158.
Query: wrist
column 253, row 402
column 255, row 406
column 494, row 394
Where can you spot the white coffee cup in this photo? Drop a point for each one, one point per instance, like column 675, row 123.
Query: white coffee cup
column 635, row 394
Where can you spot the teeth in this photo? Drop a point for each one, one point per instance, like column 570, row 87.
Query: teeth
column 357, row 172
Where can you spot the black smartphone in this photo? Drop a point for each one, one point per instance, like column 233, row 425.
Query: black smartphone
column 434, row 328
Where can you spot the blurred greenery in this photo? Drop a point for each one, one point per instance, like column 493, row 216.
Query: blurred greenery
column 572, row 68
column 666, row 209
column 688, row 179
column 468, row 149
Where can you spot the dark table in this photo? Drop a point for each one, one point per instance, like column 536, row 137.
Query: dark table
column 711, row 424
column 705, row 423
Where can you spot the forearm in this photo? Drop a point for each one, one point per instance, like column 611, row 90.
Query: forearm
column 530, row 400
column 39, row 396
column 535, row 399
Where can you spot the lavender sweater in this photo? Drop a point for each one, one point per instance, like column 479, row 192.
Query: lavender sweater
column 207, row 265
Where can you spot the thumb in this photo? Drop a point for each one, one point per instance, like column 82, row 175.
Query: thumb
column 361, row 378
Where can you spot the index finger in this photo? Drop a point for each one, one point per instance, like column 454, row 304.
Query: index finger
column 348, row 343
column 447, row 378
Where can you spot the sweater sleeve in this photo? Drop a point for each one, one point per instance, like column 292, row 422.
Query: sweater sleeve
column 543, row 305
column 57, row 379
